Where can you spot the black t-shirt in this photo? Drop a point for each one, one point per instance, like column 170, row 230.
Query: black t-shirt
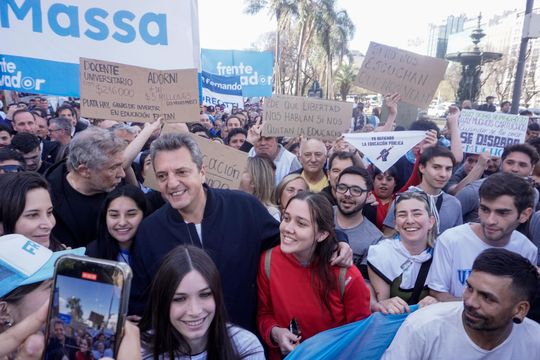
column 84, row 214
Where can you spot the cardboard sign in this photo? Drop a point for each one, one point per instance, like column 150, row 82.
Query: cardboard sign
column 160, row 34
column 130, row 93
column 313, row 118
column 491, row 131
column 384, row 149
column 224, row 165
column 387, row 69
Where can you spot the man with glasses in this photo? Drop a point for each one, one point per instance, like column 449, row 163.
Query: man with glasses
column 60, row 130
column 353, row 187
column 10, row 161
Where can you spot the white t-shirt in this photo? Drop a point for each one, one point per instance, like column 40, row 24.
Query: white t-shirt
column 455, row 251
column 437, row 332
column 247, row 345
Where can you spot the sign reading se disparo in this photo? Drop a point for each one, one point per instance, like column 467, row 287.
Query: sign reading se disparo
column 42, row 40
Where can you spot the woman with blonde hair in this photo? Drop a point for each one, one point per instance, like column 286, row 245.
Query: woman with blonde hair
column 398, row 267
column 291, row 185
column 259, row 181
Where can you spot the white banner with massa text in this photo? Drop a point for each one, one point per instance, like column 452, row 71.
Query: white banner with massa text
column 384, row 149
column 41, row 41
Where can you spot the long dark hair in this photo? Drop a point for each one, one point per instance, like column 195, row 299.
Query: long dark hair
column 322, row 217
column 13, row 190
column 156, row 323
column 107, row 247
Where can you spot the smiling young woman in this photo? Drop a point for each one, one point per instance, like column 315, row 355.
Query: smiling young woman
column 398, row 267
column 26, row 208
column 121, row 214
column 296, row 281
column 186, row 317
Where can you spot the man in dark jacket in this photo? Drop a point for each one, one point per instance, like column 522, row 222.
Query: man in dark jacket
column 233, row 227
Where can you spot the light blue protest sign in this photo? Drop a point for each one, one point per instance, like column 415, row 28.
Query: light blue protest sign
column 221, row 90
column 253, row 67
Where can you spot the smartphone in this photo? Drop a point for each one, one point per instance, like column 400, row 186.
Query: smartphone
column 88, row 307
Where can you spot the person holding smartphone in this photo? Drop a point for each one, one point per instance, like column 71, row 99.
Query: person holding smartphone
column 186, row 316
column 296, row 281
column 26, row 268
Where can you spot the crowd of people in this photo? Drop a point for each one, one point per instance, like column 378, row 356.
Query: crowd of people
column 315, row 238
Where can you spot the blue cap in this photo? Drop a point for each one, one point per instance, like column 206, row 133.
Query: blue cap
column 25, row 262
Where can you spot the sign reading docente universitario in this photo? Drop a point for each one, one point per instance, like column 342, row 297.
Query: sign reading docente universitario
column 490, row 131
column 42, row 40
column 295, row 116
column 223, row 164
column 130, row 93
column 387, row 69
column 384, row 149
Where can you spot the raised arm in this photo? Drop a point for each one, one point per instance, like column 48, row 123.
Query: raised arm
column 390, row 101
column 453, row 127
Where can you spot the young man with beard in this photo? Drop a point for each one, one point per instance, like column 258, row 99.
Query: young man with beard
column 489, row 323
column 435, row 166
column 505, row 203
column 352, row 189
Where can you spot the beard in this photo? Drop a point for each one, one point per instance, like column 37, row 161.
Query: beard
column 349, row 211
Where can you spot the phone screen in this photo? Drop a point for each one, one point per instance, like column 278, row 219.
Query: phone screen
column 87, row 310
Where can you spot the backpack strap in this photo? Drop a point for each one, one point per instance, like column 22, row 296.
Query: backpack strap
column 342, row 274
column 267, row 261
column 420, row 281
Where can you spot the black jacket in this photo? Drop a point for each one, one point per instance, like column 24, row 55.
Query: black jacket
column 235, row 228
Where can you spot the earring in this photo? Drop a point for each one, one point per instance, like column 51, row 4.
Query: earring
column 517, row 320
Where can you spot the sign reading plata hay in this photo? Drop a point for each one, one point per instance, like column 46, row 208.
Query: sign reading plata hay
column 387, row 69
column 314, row 118
column 131, row 93
column 223, row 164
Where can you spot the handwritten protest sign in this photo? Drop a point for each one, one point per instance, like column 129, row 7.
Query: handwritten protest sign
column 384, row 149
column 490, row 131
column 130, row 93
column 224, row 165
column 387, row 69
column 294, row 116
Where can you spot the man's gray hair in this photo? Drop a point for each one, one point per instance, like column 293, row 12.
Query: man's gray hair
column 93, row 148
column 175, row 141
column 62, row 123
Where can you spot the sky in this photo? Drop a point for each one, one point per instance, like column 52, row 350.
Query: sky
column 223, row 24
column 94, row 296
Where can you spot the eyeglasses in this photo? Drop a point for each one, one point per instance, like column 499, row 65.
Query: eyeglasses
column 354, row 190
column 11, row 168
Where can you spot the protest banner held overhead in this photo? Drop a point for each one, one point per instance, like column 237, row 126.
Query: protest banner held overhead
column 254, row 68
column 222, row 90
column 43, row 40
column 387, row 69
column 295, row 116
column 384, row 149
column 124, row 92
column 491, row 131
column 223, row 164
